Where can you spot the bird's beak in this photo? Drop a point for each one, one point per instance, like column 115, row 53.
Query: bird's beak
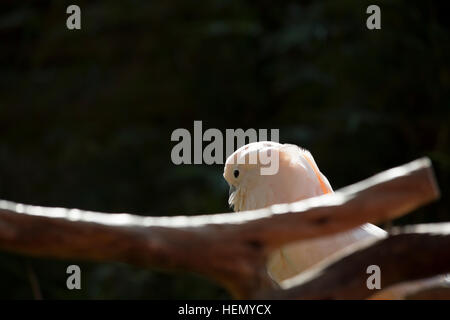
column 231, row 196
column 232, row 190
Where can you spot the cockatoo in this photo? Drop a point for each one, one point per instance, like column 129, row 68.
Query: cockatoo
column 298, row 177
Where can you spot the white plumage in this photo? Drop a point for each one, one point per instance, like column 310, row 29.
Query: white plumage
column 298, row 178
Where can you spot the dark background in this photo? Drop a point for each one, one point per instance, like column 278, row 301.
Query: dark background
column 86, row 116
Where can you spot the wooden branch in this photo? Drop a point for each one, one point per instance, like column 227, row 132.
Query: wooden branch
column 429, row 288
column 413, row 253
column 440, row 292
column 230, row 248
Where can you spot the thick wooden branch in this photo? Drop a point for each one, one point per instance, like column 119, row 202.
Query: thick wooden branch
column 229, row 247
column 437, row 287
column 441, row 292
column 409, row 254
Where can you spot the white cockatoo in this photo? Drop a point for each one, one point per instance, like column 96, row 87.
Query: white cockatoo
column 297, row 177
column 294, row 176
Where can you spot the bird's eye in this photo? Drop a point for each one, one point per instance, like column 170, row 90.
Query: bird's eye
column 236, row 173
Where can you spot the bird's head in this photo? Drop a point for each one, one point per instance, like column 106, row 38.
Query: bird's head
column 264, row 173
